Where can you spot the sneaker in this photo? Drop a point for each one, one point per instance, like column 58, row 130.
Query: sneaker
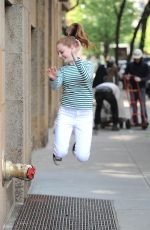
column 73, row 147
column 57, row 160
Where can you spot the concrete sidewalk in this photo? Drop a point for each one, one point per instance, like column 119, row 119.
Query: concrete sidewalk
column 118, row 169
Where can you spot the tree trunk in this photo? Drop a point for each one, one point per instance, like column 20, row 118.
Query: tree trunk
column 106, row 49
column 145, row 14
column 117, row 34
column 143, row 33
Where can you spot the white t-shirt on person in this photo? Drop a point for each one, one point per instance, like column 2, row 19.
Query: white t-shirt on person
column 116, row 91
column 112, row 86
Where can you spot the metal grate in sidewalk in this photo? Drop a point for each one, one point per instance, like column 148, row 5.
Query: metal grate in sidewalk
column 42, row 212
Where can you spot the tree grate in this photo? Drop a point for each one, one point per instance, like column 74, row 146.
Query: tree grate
column 43, row 212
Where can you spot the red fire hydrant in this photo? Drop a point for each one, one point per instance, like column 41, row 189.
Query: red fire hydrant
column 21, row 171
column 30, row 172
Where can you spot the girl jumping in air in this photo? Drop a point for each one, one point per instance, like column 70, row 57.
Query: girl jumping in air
column 75, row 113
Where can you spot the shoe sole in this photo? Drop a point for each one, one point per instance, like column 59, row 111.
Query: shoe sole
column 56, row 161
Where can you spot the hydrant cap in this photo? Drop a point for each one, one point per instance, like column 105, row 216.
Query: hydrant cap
column 31, row 172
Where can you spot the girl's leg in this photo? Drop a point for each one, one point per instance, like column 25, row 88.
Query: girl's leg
column 63, row 131
column 83, row 135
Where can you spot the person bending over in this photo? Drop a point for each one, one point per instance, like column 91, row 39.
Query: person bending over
column 109, row 92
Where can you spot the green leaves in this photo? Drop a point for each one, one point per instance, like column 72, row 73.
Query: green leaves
column 99, row 19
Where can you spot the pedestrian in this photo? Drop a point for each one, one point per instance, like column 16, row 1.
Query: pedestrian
column 137, row 73
column 75, row 112
column 100, row 75
column 112, row 72
column 109, row 92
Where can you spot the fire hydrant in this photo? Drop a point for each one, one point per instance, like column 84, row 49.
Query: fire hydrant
column 21, row 171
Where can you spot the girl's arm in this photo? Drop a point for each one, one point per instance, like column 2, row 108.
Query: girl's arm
column 52, row 73
column 87, row 70
column 55, row 76
column 76, row 51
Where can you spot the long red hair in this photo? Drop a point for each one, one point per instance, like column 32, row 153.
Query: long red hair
column 67, row 41
column 76, row 30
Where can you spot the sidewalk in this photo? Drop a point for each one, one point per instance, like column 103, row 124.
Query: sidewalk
column 118, row 169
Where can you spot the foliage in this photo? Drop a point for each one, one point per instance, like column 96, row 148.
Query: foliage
column 99, row 20
column 147, row 41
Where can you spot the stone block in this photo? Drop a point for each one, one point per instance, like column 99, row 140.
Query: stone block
column 14, row 76
column 2, row 86
column 31, row 7
column 41, row 14
column 13, row 29
column 2, row 23
column 14, row 126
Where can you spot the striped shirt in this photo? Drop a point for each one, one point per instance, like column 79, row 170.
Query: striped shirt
column 77, row 83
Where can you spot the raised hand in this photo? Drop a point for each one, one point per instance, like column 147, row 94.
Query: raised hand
column 76, row 48
column 137, row 79
column 52, row 73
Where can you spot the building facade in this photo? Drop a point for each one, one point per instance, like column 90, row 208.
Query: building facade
column 28, row 32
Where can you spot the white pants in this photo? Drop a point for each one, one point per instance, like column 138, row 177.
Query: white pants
column 80, row 122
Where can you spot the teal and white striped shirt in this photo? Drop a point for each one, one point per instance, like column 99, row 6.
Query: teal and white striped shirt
column 77, row 82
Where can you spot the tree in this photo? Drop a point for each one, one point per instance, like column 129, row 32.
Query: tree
column 143, row 33
column 119, row 15
column 99, row 21
column 142, row 21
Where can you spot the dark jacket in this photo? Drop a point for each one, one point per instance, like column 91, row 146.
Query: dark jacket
column 141, row 70
column 99, row 76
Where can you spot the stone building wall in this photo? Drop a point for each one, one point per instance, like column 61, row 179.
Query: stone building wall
column 28, row 32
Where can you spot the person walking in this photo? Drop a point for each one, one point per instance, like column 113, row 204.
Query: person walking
column 112, row 72
column 109, row 92
column 100, row 75
column 137, row 73
column 76, row 110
